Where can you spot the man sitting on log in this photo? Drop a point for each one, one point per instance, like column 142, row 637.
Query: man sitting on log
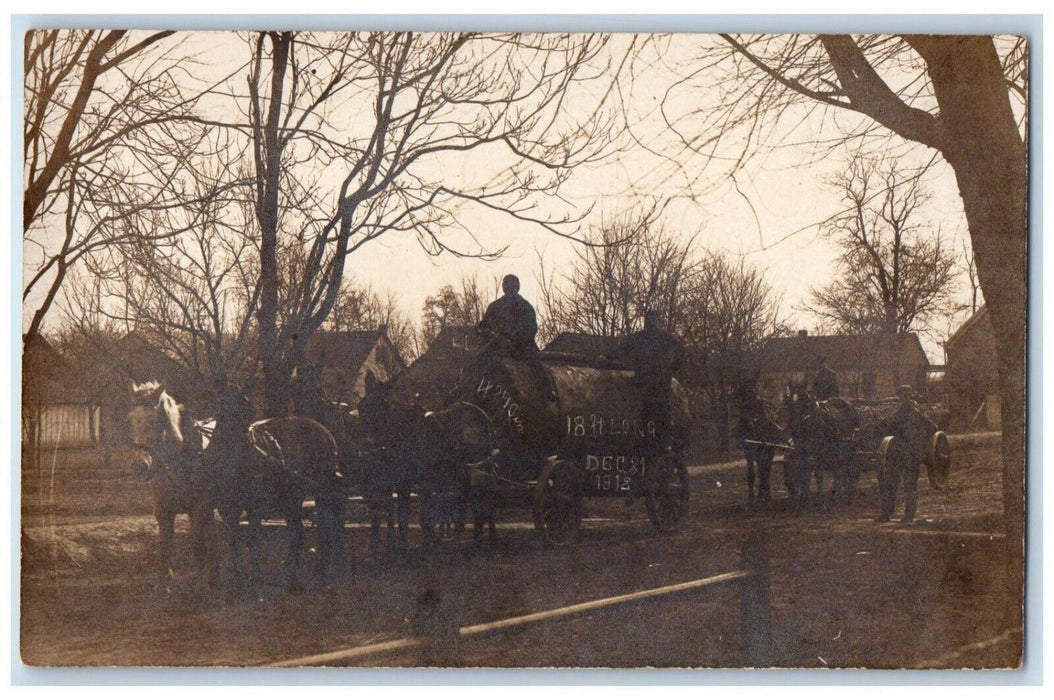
column 510, row 322
column 510, row 326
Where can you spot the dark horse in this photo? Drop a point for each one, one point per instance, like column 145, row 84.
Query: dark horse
column 268, row 469
column 914, row 439
column 364, row 461
column 755, row 425
column 171, row 457
column 823, row 435
column 444, row 455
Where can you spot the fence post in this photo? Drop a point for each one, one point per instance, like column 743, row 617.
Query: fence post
column 755, row 611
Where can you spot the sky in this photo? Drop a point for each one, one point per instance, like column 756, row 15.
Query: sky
column 769, row 213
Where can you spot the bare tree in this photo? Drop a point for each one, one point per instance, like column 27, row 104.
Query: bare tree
column 895, row 275
column 727, row 313
column 362, row 308
column 632, row 266
column 407, row 101
column 104, row 140
column 453, row 307
column 720, row 307
column 966, row 98
column 191, row 290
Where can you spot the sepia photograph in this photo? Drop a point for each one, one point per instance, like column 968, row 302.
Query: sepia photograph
column 523, row 349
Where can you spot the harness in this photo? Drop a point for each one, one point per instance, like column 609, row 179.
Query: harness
column 267, row 446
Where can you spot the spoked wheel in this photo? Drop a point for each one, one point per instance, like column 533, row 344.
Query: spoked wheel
column 666, row 495
column 558, row 503
column 938, row 460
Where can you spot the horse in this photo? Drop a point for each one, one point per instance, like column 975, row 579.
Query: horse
column 463, row 470
column 757, row 425
column 272, row 465
column 171, row 448
column 443, row 454
column 823, row 434
column 363, row 460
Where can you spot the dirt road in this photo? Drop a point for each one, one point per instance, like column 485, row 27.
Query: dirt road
column 846, row 591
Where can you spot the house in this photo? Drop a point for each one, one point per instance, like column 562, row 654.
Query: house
column 346, row 358
column 57, row 411
column 868, row 366
column 972, row 375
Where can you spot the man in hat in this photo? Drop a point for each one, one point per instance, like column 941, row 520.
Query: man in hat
column 911, row 431
column 654, row 355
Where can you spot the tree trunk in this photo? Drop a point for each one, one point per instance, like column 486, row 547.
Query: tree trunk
column 989, row 158
column 268, row 163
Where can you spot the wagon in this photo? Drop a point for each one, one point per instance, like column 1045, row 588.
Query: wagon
column 861, row 435
column 570, row 430
column 878, row 419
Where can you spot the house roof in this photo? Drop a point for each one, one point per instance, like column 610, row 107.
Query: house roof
column 584, row 344
column 978, row 317
column 435, row 372
column 347, row 349
column 805, row 353
column 142, row 360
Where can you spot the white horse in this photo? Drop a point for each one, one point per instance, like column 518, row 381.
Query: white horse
column 170, row 456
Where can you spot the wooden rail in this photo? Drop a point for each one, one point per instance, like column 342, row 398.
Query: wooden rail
column 755, row 619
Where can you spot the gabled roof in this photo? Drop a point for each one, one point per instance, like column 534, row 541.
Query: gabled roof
column 584, row 344
column 977, row 318
column 805, row 353
column 435, row 372
column 347, row 349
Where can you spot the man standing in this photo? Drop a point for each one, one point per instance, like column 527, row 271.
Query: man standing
column 511, row 323
column 654, row 355
column 825, row 386
column 911, row 431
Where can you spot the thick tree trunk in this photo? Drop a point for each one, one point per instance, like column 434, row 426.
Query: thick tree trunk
column 985, row 149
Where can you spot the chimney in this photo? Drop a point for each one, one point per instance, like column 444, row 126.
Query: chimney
column 803, row 333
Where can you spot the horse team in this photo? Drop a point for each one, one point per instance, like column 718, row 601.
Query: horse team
column 240, row 468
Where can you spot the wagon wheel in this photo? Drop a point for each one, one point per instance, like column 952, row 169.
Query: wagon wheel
column 558, row 503
column 666, row 495
column 887, row 475
column 938, row 460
